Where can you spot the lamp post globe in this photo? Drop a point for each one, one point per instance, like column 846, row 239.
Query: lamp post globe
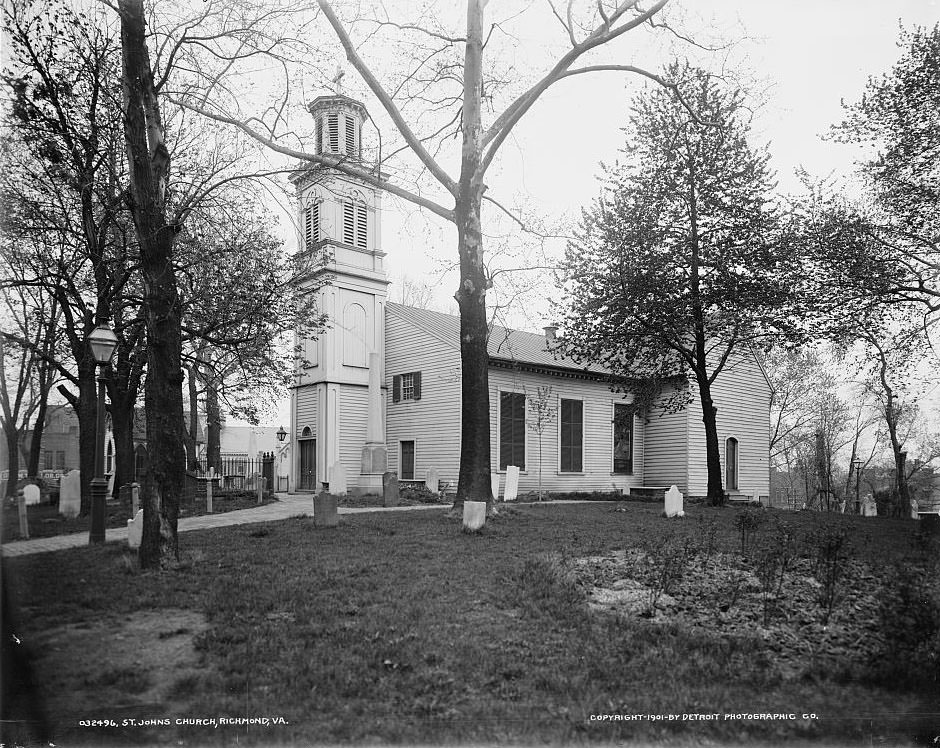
column 103, row 342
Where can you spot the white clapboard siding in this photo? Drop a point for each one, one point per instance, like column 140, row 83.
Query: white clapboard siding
column 665, row 459
column 598, row 399
column 742, row 396
column 353, row 413
column 306, row 399
column 433, row 422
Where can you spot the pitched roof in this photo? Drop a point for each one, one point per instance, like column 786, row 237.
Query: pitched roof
column 503, row 345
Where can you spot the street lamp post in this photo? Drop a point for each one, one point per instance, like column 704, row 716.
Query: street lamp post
column 103, row 342
column 281, row 436
column 857, row 464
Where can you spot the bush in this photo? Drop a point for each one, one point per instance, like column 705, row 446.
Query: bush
column 420, row 493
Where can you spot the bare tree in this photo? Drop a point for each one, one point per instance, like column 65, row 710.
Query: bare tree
column 451, row 78
column 543, row 414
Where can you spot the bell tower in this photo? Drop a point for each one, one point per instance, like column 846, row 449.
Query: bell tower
column 337, row 411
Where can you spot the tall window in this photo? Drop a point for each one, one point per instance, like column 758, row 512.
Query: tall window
column 48, row 460
column 319, row 135
column 350, row 136
column 311, row 225
column 511, row 430
column 332, row 124
column 355, row 224
column 408, row 460
column 572, row 436
column 731, row 463
column 406, row 386
column 623, row 439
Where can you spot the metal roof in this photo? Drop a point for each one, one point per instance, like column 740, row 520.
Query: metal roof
column 503, row 345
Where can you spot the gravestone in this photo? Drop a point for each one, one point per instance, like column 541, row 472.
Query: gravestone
column 70, row 494
column 135, row 498
column 135, row 529
column 474, row 515
column 31, row 494
column 22, row 514
column 494, row 482
column 914, row 509
column 432, row 481
column 869, row 507
column 512, row 483
column 673, row 499
column 389, row 489
column 110, row 487
column 338, row 479
column 324, row 510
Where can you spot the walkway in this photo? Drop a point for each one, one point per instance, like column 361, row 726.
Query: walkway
column 287, row 505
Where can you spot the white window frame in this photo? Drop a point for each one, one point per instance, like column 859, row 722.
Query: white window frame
column 558, row 435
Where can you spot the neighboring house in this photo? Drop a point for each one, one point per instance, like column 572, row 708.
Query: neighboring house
column 392, row 370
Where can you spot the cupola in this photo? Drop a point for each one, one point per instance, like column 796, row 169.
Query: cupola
column 338, row 125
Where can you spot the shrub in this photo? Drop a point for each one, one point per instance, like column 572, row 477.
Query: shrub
column 832, row 551
column 749, row 522
column 661, row 564
column 419, row 493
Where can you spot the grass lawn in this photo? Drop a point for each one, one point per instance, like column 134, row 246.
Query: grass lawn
column 45, row 520
column 399, row 628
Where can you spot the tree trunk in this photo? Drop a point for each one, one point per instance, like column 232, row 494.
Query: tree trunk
column 213, row 427
column 87, row 412
column 148, row 162
column 714, row 491
column 473, row 483
column 35, row 439
column 13, row 452
column 122, row 424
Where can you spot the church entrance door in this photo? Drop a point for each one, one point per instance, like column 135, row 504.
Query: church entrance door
column 308, row 464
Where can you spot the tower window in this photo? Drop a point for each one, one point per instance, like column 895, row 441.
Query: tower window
column 333, row 126
column 311, row 225
column 319, row 135
column 350, row 137
column 355, row 224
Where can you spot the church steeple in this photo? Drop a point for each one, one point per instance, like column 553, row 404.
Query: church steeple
column 338, row 125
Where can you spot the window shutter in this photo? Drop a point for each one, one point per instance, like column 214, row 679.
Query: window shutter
column 362, row 226
column 311, row 225
column 350, row 136
column 417, row 381
column 396, row 388
column 319, row 135
column 349, row 221
column 333, row 124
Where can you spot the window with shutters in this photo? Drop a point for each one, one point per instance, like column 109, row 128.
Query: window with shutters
column 319, row 135
column 406, row 386
column 572, row 436
column 407, row 467
column 511, row 430
column 351, row 137
column 311, row 225
column 356, row 224
column 349, row 222
column 623, row 439
column 332, row 124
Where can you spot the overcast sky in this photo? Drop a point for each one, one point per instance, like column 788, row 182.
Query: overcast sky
column 806, row 55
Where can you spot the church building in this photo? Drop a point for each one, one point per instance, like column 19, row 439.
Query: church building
column 380, row 389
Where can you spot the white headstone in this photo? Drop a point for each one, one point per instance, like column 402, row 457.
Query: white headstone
column 869, row 507
column 512, row 483
column 914, row 509
column 494, row 483
column 135, row 529
column 673, row 499
column 31, row 494
column 70, row 494
column 338, row 479
column 474, row 515
column 432, row 481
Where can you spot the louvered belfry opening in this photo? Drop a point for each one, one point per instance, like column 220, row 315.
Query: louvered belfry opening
column 338, row 125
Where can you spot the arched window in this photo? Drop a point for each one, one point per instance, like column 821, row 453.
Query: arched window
column 306, row 433
column 731, row 463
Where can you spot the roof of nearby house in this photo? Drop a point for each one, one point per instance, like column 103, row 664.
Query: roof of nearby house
column 504, row 345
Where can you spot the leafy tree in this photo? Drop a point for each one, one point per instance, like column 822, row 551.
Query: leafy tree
column 677, row 267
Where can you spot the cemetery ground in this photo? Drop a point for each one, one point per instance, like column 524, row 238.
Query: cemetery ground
column 45, row 521
column 397, row 627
